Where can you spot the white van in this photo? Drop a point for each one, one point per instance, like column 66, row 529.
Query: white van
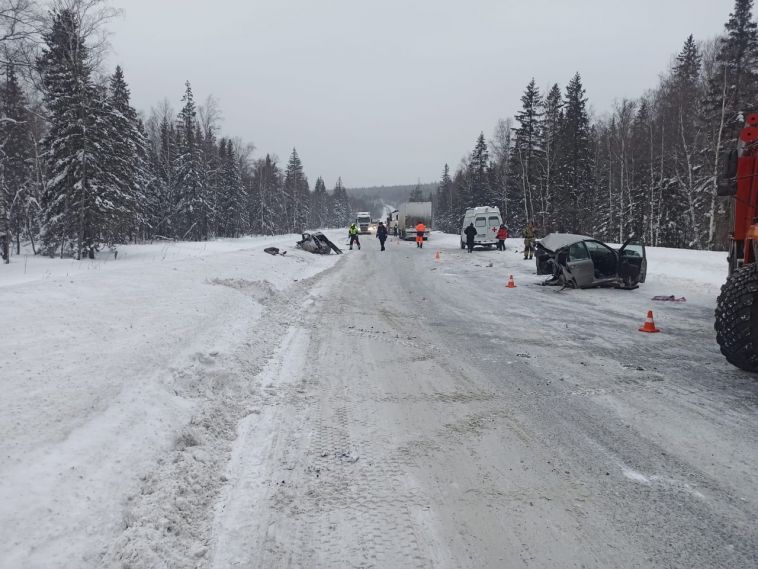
column 487, row 221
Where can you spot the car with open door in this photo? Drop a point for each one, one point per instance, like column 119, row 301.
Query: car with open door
column 580, row 261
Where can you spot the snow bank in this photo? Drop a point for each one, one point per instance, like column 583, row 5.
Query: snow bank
column 104, row 364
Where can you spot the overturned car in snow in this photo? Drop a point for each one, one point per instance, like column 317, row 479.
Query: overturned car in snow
column 317, row 243
column 579, row 261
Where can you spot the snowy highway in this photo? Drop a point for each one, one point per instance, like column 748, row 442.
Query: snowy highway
column 392, row 410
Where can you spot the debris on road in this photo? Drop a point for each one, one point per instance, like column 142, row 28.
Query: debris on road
column 670, row 298
column 274, row 251
column 318, row 244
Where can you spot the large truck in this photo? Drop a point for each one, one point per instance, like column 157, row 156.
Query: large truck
column 737, row 306
column 363, row 221
column 409, row 215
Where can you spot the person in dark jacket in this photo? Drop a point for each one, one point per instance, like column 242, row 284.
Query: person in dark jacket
column 470, row 232
column 381, row 234
column 502, row 235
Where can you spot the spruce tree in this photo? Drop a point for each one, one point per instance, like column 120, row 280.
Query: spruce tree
column 231, row 199
column 341, row 211
column 445, row 215
column 297, row 194
column 738, row 61
column 550, row 146
column 192, row 206
column 479, row 190
column 575, row 166
column 319, row 205
column 267, row 206
column 74, row 210
column 126, row 164
column 525, row 168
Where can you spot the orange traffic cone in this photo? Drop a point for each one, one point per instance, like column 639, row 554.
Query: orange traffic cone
column 649, row 325
column 511, row 283
column 437, row 256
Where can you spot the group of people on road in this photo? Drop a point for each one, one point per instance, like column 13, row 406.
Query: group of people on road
column 470, row 231
column 381, row 234
column 501, row 236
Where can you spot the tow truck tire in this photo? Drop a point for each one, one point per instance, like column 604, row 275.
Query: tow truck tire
column 737, row 318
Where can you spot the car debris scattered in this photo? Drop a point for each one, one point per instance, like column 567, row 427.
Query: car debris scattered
column 274, row 251
column 318, row 244
column 670, row 298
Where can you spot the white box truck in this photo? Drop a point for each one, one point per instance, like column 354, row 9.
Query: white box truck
column 363, row 221
column 486, row 221
column 409, row 215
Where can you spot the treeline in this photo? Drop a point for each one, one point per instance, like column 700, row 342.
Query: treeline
column 79, row 168
column 649, row 168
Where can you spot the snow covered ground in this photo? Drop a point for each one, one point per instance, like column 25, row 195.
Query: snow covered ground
column 208, row 405
column 105, row 366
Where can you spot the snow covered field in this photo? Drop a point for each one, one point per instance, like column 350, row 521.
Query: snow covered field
column 208, row 405
column 105, row 366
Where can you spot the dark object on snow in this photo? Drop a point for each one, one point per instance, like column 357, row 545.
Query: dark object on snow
column 670, row 298
column 274, row 251
column 381, row 234
column 579, row 261
column 317, row 243
column 470, row 232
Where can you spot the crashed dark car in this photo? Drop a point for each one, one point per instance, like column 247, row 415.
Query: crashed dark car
column 317, row 243
column 579, row 261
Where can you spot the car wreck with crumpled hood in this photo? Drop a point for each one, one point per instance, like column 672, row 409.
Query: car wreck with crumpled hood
column 579, row 261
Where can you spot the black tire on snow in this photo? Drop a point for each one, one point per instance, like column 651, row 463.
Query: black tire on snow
column 737, row 318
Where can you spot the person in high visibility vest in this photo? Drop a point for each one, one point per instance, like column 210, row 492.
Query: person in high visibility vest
column 420, row 230
column 353, row 234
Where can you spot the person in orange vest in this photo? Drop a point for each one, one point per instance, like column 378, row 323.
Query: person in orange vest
column 420, row 230
column 502, row 235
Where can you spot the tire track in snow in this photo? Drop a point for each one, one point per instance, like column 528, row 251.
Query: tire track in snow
column 168, row 523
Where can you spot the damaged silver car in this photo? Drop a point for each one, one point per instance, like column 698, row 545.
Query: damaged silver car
column 579, row 261
column 317, row 243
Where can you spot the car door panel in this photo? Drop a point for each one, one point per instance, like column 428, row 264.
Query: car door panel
column 633, row 262
column 580, row 266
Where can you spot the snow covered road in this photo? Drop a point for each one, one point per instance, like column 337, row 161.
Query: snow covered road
column 422, row 415
column 390, row 411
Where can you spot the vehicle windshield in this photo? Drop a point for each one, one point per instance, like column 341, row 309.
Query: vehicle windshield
column 364, row 220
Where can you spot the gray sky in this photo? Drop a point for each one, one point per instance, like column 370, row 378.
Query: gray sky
column 386, row 92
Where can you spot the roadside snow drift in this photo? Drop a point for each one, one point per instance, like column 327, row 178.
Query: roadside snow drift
column 104, row 367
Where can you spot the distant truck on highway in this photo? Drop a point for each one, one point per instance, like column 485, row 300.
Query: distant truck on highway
column 409, row 215
column 363, row 221
column 392, row 222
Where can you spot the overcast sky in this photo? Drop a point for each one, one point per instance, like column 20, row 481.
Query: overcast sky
column 386, row 92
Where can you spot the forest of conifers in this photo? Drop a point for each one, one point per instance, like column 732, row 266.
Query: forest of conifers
column 648, row 168
column 80, row 168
